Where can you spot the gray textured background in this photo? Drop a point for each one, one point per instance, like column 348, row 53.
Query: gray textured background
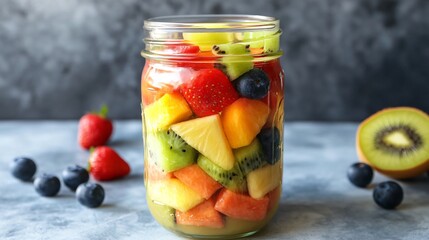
column 344, row 59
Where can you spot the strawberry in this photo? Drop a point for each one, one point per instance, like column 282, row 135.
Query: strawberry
column 94, row 129
column 182, row 49
column 105, row 164
column 187, row 55
column 208, row 92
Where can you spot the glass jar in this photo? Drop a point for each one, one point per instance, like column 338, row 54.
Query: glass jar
column 212, row 115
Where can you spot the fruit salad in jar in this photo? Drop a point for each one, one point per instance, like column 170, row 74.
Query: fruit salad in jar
column 212, row 113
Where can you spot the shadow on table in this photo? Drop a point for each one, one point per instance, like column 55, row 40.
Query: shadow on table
column 326, row 217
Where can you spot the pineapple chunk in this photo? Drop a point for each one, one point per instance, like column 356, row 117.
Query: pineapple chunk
column 172, row 192
column 263, row 180
column 206, row 135
column 170, row 108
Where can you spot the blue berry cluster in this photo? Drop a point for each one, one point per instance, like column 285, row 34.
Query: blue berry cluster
column 74, row 177
column 387, row 195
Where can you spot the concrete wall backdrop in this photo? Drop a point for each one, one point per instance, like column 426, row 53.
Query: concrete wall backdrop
column 344, row 59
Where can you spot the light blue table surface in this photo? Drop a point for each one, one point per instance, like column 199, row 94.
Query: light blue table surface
column 317, row 202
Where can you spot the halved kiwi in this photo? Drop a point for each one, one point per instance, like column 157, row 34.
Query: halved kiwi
column 395, row 141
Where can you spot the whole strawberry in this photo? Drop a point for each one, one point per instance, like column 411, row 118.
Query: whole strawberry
column 105, row 164
column 95, row 129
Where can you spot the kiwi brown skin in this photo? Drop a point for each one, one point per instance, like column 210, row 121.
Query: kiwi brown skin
column 398, row 174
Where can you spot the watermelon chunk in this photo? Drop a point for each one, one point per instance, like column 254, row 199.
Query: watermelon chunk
column 153, row 172
column 203, row 215
column 241, row 206
column 199, row 181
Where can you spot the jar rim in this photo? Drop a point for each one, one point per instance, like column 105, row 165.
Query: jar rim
column 211, row 23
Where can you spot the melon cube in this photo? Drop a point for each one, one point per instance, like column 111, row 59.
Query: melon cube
column 243, row 120
column 173, row 193
column 204, row 215
column 170, row 108
column 198, row 180
column 153, row 172
column 263, row 180
column 241, row 206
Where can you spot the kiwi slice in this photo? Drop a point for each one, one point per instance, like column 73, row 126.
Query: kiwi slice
column 395, row 141
column 272, row 44
column 250, row 157
column 232, row 179
column 169, row 151
column 235, row 59
column 266, row 42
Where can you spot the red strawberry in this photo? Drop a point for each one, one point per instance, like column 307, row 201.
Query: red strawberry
column 187, row 55
column 182, row 49
column 105, row 164
column 208, row 92
column 94, row 129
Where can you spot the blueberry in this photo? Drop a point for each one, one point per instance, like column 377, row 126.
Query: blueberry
column 388, row 195
column 360, row 174
column 23, row 168
column 47, row 185
column 73, row 176
column 90, row 194
column 270, row 141
column 253, row 84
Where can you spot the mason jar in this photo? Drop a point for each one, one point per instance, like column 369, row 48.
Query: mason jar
column 212, row 117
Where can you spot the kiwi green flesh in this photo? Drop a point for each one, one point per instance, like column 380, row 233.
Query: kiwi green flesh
column 231, row 179
column 250, row 157
column 231, row 63
column 271, row 45
column 268, row 41
column 395, row 140
column 169, row 151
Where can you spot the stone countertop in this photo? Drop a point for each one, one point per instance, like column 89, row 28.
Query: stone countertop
column 317, row 202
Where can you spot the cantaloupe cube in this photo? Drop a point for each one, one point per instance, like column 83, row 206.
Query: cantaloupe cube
column 241, row 206
column 198, row 180
column 170, row 108
column 243, row 120
column 203, row 214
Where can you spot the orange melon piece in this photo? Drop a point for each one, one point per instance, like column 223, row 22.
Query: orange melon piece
column 170, row 108
column 198, row 180
column 206, row 135
column 243, row 120
column 203, row 215
column 242, row 206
